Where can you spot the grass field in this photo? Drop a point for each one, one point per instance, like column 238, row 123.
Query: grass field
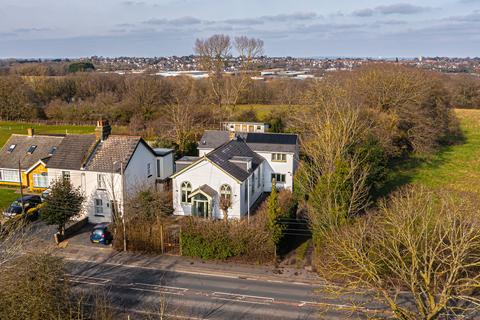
column 262, row 110
column 456, row 167
column 6, row 197
column 8, row 128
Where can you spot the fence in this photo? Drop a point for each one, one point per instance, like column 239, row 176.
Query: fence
column 155, row 238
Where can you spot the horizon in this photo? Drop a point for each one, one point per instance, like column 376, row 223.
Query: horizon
column 149, row 28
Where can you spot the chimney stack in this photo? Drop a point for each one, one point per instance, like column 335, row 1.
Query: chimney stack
column 30, row 132
column 103, row 130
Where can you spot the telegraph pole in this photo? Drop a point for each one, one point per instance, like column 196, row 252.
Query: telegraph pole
column 123, row 208
column 21, row 189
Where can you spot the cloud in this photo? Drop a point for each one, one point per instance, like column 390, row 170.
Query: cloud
column 246, row 21
column 30, row 30
column 398, row 8
column 133, row 3
column 182, row 21
column 364, row 12
column 301, row 16
column 401, row 8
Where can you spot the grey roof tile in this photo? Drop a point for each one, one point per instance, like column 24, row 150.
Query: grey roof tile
column 109, row 154
column 270, row 142
column 73, row 152
column 223, row 155
column 22, row 143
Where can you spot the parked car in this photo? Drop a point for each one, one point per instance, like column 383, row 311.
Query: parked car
column 45, row 194
column 30, row 204
column 101, row 234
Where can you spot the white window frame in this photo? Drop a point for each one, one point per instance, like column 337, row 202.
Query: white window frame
column 226, row 192
column 98, row 204
column 101, row 185
column 40, row 180
column 279, row 175
column 185, row 190
column 66, row 175
column 279, row 157
column 10, row 175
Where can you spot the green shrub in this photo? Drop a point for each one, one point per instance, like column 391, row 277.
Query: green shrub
column 223, row 240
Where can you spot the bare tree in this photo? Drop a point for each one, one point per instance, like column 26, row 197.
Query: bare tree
column 421, row 247
column 213, row 53
column 248, row 50
column 334, row 176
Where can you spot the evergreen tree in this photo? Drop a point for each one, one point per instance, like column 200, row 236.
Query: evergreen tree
column 274, row 213
column 62, row 204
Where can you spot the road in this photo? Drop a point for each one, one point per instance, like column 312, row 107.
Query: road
column 192, row 295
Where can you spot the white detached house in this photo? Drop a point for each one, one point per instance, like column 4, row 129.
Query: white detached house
column 236, row 167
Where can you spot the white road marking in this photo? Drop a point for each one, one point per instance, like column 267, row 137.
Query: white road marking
column 209, row 274
column 87, row 280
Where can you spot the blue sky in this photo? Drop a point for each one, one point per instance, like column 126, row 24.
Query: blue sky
column 387, row 28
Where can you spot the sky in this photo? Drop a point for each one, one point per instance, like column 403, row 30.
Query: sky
column 300, row 28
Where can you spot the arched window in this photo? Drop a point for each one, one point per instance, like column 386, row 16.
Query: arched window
column 226, row 192
column 186, row 189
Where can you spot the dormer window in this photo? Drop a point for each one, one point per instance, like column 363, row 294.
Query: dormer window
column 11, row 148
column 31, row 149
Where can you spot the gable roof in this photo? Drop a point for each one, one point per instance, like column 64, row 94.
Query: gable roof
column 72, row 153
column 272, row 142
column 116, row 149
column 43, row 143
column 234, row 149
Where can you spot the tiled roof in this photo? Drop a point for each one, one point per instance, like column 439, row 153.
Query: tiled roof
column 109, row 154
column 223, row 155
column 206, row 189
column 73, row 152
column 184, row 162
column 22, row 143
column 272, row 142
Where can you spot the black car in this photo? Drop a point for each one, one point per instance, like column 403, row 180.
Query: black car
column 15, row 208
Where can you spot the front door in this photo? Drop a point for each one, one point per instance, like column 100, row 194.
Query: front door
column 200, row 206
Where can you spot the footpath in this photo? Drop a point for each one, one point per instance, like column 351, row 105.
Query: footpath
column 106, row 255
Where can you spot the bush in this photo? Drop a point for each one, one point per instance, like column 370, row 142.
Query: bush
column 224, row 240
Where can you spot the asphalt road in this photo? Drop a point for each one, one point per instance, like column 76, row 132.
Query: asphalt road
column 141, row 291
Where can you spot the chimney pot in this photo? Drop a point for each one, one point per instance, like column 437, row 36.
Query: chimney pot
column 103, row 130
column 232, row 135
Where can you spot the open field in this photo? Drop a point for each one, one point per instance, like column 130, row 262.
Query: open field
column 456, row 166
column 262, row 110
column 6, row 197
column 8, row 128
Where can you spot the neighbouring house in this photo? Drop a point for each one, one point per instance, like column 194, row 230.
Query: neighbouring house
column 24, row 159
column 233, row 168
column 244, row 126
column 107, row 168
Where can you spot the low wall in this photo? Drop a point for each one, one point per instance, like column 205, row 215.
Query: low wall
column 70, row 230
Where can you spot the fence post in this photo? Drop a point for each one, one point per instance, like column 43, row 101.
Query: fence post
column 180, row 240
column 161, row 239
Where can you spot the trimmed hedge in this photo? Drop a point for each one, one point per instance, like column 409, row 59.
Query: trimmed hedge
column 226, row 240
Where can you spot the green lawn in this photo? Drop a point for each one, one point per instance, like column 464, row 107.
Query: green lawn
column 263, row 110
column 7, row 128
column 456, row 167
column 6, row 197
